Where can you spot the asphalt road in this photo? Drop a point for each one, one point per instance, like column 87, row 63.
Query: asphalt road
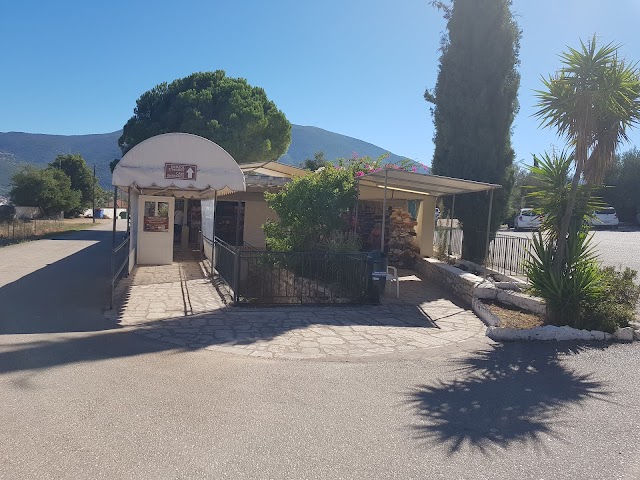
column 83, row 399
column 616, row 248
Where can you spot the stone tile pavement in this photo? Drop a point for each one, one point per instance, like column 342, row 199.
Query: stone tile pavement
column 178, row 305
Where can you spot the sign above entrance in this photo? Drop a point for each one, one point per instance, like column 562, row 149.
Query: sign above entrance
column 180, row 171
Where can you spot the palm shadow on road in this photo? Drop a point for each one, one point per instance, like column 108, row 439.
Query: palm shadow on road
column 510, row 393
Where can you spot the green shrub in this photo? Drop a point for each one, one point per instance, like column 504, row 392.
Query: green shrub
column 618, row 303
column 339, row 242
column 567, row 292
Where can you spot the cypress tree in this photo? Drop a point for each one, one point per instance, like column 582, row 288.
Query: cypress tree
column 474, row 102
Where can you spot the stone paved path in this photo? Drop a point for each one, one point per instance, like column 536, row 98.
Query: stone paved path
column 175, row 304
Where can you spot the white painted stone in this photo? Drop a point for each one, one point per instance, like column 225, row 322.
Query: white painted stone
column 522, row 300
column 548, row 332
column 483, row 312
column 624, row 334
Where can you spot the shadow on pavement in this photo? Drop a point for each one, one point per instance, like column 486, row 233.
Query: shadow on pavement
column 68, row 295
column 56, row 350
column 510, row 393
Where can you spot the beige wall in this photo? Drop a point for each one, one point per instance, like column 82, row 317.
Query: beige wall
column 255, row 215
column 426, row 225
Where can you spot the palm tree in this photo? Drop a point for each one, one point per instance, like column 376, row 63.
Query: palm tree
column 592, row 101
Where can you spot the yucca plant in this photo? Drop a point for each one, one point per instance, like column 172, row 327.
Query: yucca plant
column 566, row 292
column 578, row 280
column 550, row 196
column 592, row 101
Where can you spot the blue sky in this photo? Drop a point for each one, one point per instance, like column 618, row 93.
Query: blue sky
column 355, row 67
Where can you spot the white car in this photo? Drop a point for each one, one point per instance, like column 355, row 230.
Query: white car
column 527, row 219
column 605, row 218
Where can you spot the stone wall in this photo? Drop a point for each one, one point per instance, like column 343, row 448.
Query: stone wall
column 461, row 284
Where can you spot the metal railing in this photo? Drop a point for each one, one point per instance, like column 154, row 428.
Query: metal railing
column 449, row 239
column 300, row 278
column 23, row 229
column 508, row 253
column 224, row 260
column 119, row 265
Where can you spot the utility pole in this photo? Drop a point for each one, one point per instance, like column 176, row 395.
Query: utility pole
column 93, row 196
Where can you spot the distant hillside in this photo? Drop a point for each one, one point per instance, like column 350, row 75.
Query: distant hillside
column 305, row 141
column 39, row 149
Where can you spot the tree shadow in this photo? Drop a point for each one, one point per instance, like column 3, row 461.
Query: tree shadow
column 510, row 393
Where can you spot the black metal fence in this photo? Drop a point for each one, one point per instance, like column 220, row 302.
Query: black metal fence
column 224, row 261
column 259, row 277
column 508, row 253
column 302, row 278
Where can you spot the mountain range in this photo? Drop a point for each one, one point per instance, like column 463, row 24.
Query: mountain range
column 37, row 149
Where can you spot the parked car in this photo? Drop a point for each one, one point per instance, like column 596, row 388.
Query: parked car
column 527, row 219
column 605, row 218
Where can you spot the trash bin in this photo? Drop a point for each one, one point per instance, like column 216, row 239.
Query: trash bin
column 123, row 215
column 98, row 213
column 376, row 275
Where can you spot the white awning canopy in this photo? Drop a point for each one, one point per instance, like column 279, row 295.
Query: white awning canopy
column 413, row 186
column 179, row 165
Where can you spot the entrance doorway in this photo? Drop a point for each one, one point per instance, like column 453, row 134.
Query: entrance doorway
column 226, row 221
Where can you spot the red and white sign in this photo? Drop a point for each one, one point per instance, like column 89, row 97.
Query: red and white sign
column 180, row 171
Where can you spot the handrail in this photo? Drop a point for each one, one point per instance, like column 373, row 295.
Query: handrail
column 119, row 247
column 115, row 274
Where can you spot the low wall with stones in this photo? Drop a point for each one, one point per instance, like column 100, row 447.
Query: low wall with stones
column 461, row 284
column 293, row 287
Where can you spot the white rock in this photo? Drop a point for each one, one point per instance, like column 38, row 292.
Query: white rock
column 624, row 334
column 546, row 333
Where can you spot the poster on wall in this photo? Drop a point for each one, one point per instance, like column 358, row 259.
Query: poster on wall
column 156, row 220
column 156, row 224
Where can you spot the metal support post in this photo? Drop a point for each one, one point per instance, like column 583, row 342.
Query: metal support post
column 384, row 211
column 355, row 221
column 453, row 209
column 115, row 206
column 93, row 196
column 213, row 233
column 486, row 249
column 128, row 211
column 236, row 260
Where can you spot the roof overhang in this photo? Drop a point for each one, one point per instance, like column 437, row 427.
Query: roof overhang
column 144, row 167
column 412, row 186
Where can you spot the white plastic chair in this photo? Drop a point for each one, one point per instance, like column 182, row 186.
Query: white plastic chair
column 392, row 276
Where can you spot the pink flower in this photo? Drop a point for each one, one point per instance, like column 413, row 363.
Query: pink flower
column 359, row 174
column 414, row 169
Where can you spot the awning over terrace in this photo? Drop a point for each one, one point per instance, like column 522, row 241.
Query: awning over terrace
column 414, row 186
column 179, row 165
column 394, row 184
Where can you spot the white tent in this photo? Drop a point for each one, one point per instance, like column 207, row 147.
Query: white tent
column 179, row 165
